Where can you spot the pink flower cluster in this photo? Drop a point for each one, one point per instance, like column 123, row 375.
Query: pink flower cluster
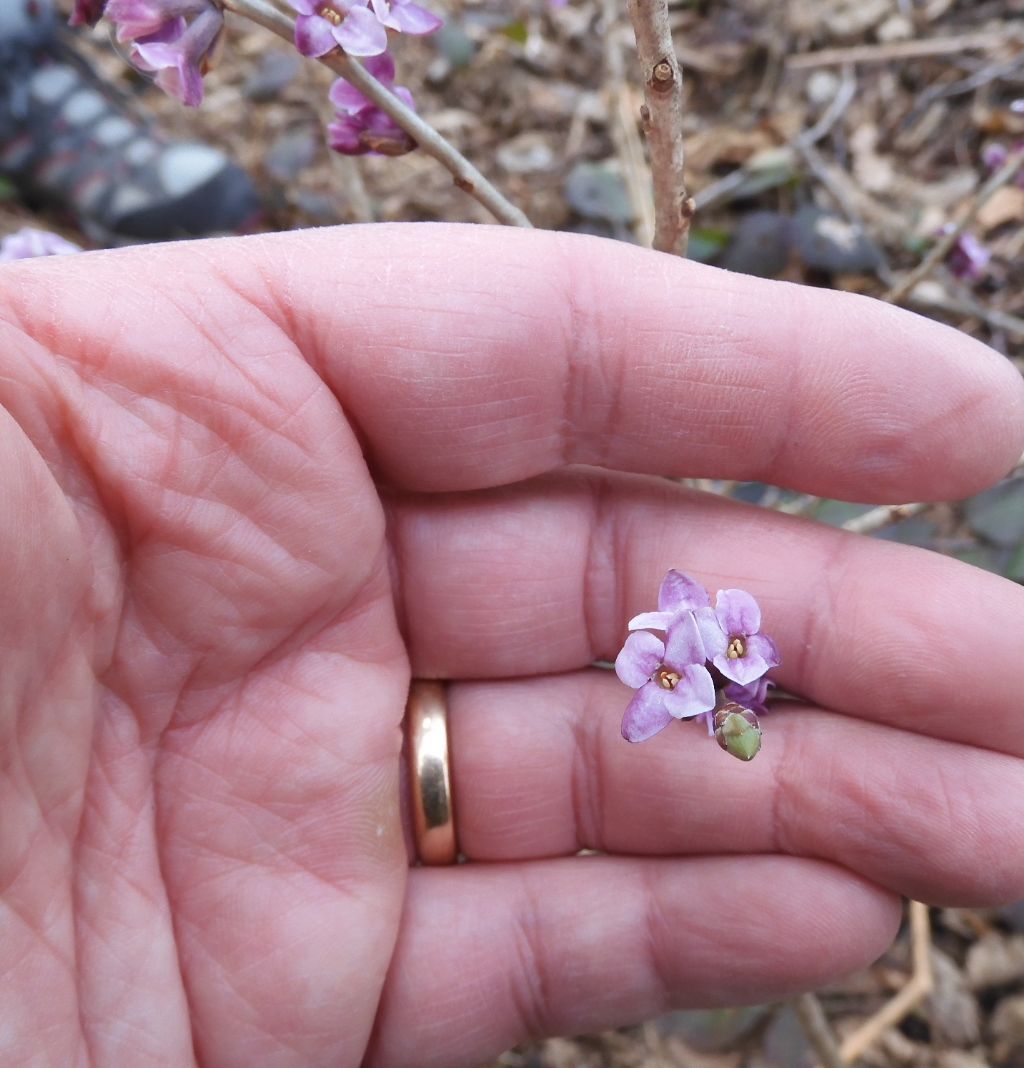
column 176, row 40
column 708, row 656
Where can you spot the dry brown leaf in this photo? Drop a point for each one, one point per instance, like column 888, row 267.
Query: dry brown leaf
column 1007, row 1027
column 951, row 1008
column 1005, row 205
column 994, row 960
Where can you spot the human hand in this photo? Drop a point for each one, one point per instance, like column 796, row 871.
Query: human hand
column 248, row 484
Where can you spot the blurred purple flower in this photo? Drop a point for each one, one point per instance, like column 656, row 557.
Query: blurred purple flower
column 28, row 243
column 406, row 17
column 678, row 594
column 360, row 127
column 730, row 632
column 669, row 677
column 180, row 54
column 86, row 12
column 968, row 259
column 995, row 154
column 143, row 18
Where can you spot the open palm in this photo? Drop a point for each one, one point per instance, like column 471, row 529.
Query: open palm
column 249, row 485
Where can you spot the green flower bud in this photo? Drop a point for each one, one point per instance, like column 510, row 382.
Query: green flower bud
column 737, row 731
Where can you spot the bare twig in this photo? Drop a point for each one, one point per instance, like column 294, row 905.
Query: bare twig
column 623, row 131
column 924, row 297
column 466, row 176
column 663, row 122
column 834, row 112
column 818, row 1030
column 885, row 53
column 1009, row 170
column 917, row 989
column 873, row 520
column 869, row 522
column 990, row 72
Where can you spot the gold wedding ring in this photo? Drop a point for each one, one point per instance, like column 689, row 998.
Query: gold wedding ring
column 430, row 776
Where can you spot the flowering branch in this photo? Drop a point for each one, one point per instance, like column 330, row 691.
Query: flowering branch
column 662, row 115
column 466, row 176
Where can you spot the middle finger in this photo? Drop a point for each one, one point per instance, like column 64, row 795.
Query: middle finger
column 541, row 771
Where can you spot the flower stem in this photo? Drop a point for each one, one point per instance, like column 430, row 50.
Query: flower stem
column 466, row 176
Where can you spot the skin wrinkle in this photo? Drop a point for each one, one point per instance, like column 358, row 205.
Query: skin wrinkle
column 580, row 346
column 585, row 792
column 149, row 807
column 786, row 768
column 527, row 984
column 656, row 928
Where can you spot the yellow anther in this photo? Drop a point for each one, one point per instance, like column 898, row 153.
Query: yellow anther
column 737, row 649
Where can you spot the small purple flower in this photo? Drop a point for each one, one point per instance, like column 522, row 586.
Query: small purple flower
column 86, row 12
column 324, row 25
column 144, row 18
column 406, row 17
column 678, row 594
column 360, row 127
column 29, row 243
column 731, row 638
column 968, row 259
column 994, row 155
column 179, row 54
column 669, row 677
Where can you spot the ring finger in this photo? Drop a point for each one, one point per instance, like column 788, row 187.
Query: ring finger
column 541, row 771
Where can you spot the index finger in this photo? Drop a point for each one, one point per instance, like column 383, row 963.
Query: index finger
column 471, row 357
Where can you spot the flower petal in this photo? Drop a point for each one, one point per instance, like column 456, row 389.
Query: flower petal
column 738, row 612
column 314, row 36
column 303, row 7
column 708, row 719
column 347, row 98
column 651, row 621
column 343, row 136
column 361, row 34
column 744, row 669
column 405, row 96
column 645, row 714
column 413, row 19
column 752, row 696
column 761, row 645
column 683, row 645
column 184, row 83
column 382, row 67
column 679, row 592
column 715, row 640
column 639, row 658
column 694, row 693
